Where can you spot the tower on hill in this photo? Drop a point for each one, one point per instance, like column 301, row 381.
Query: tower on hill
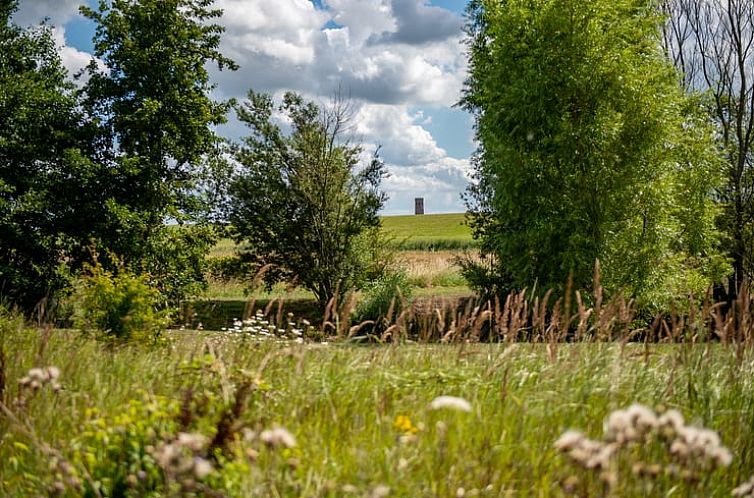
column 419, row 205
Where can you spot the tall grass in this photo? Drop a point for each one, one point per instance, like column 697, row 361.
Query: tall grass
column 362, row 416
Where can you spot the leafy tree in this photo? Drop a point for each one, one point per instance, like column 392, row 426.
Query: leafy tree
column 588, row 150
column 156, row 118
column 48, row 185
column 712, row 43
column 301, row 200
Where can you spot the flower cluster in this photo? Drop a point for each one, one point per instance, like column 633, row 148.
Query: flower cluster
column 278, row 437
column 691, row 450
column 260, row 328
column 586, row 452
column 36, row 378
column 182, row 458
column 450, row 403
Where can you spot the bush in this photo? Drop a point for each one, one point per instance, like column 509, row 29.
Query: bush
column 384, row 298
column 122, row 306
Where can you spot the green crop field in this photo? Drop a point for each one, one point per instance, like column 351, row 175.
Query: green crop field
column 430, row 231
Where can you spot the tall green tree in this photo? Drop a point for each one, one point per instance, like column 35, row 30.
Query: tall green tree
column 588, row 150
column 152, row 103
column 301, row 200
column 49, row 187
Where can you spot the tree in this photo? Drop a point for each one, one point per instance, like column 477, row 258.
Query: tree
column 156, row 118
column 48, row 184
column 588, row 150
column 301, row 199
column 712, row 43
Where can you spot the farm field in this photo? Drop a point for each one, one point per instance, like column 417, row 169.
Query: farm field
column 426, row 247
column 327, row 420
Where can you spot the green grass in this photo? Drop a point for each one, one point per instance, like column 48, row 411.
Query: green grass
column 346, row 405
column 417, row 233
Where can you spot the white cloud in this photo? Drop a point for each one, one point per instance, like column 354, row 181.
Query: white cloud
column 418, row 166
column 284, row 44
column 32, row 12
column 386, row 55
column 73, row 59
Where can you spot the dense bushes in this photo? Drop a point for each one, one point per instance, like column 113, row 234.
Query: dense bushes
column 121, row 305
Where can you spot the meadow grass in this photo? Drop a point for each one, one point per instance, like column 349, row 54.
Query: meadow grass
column 361, row 416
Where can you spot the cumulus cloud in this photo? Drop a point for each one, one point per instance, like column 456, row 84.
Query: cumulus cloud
column 418, row 166
column 418, row 23
column 74, row 60
column 286, row 43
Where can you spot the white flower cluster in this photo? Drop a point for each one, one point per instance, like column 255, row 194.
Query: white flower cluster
column 691, row 448
column 450, row 403
column 259, row 328
column 584, row 451
column 182, row 457
column 745, row 490
column 277, row 437
column 36, row 378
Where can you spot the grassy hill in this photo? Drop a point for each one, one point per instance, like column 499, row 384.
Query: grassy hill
column 425, row 232
column 429, row 231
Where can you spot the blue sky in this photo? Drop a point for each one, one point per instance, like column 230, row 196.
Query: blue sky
column 402, row 62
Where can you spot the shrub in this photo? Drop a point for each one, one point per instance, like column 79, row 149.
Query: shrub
column 122, row 305
column 384, row 298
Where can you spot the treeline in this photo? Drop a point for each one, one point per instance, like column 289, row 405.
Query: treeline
column 618, row 131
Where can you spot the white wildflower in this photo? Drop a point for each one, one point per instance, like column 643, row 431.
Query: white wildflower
column 202, row 468
column 278, row 437
column 451, row 403
column 569, row 440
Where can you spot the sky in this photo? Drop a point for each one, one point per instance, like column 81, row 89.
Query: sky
column 401, row 62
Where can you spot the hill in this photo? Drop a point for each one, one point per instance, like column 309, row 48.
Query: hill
column 428, row 231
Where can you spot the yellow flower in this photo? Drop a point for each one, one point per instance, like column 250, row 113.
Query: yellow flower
column 403, row 424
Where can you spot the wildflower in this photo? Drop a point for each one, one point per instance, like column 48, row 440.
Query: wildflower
column 403, row 424
column 278, row 437
column 745, row 490
column 672, row 420
column 194, row 442
column 380, row 491
column 568, row 440
column 202, row 468
column 451, row 403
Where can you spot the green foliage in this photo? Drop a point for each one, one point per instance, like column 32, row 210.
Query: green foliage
column 112, row 449
column 156, row 131
column 176, row 260
column 122, row 306
column 48, row 186
column 301, row 200
column 588, row 150
column 384, row 298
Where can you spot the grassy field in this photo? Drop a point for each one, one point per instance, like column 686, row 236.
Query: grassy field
column 429, row 231
column 337, row 420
